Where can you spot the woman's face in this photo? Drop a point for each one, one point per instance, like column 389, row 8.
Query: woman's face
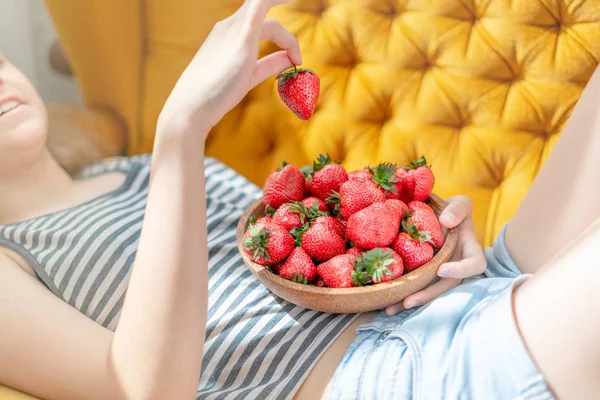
column 23, row 120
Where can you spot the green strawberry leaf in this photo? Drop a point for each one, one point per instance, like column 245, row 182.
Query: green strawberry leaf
column 301, row 210
column 421, row 162
column 307, row 171
column 270, row 210
column 375, row 262
column 297, row 233
column 283, row 165
column 360, row 278
column 258, row 242
column 299, row 279
column 322, row 161
column 385, row 176
column 336, row 199
column 292, row 74
column 252, row 219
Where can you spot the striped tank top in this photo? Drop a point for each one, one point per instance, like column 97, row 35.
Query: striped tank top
column 257, row 345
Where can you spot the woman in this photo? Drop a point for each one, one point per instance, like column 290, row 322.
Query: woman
column 77, row 240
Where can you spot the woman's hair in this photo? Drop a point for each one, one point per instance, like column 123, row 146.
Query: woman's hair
column 79, row 137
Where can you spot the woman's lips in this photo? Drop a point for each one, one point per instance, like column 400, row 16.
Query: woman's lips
column 8, row 106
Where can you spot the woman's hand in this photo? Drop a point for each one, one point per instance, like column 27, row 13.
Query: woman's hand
column 227, row 67
column 467, row 259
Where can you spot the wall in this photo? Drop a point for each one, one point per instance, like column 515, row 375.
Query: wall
column 26, row 34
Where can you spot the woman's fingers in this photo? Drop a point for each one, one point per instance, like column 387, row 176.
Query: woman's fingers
column 468, row 259
column 273, row 31
column 269, row 66
column 459, row 209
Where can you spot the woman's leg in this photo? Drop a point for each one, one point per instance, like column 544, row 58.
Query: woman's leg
column 558, row 314
column 563, row 200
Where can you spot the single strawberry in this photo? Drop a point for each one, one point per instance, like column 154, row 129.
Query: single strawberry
column 385, row 176
column 339, row 272
column 361, row 175
column 398, row 205
column 414, row 246
column 283, row 186
column 381, row 264
column 298, row 267
column 332, row 223
column 327, row 177
column 299, row 89
column 321, row 242
column 354, row 195
column 309, row 202
column 355, row 251
column 374, row 226
column 418, row 180
column 291, row 215
column 264, row 220
column 320, row 283
column 267, row 243
column 425, row 219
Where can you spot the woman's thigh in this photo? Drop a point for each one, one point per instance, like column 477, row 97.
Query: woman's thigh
column 558, row 315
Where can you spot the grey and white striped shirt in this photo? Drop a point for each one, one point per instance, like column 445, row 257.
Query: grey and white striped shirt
column 257, row 345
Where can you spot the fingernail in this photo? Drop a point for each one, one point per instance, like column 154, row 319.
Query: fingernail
column 449, row 216
column 444, row 272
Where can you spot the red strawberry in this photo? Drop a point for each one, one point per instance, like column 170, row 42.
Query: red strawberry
column 283, row 186
column 299, row 89
column 309, row 202
column 418, row 180
column 355, row 251
column 385, row 175
column 362, row 175
column 414, row 247
column 290, row 215
column 382, row 265
column 332, row 223
column 327, row 177
column 425, row 219
column 355, row 195
column 339, row 272
column 267, row 243
column 320, row 283
column 321, row 242
column 298, row 267
column 374, row 226
column 398, row 205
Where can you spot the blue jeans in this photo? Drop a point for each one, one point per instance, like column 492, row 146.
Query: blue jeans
column 463, row 345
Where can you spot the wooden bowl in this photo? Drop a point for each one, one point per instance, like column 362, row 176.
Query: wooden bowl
column 348, row 300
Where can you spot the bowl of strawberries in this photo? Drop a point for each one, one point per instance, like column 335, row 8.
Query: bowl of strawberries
column 336, row 242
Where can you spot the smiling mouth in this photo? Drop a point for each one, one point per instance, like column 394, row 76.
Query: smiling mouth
column 8, row 106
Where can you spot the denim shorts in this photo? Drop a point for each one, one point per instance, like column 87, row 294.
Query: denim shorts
column 462, row 345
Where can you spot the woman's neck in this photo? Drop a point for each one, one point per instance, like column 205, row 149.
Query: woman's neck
column 34, row 190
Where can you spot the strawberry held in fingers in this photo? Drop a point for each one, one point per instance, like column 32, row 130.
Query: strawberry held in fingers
column 267, row 243
column 425, row 220
column 298, row 267
column 374, row 226
column 284, row 185
column 327, row 177
column 418, row 180
column 299, row 89
column 414, row 246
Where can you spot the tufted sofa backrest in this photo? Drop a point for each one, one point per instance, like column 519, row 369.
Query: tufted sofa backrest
column 482, row 88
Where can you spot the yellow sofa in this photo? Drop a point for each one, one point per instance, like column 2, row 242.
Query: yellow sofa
column 482, row 88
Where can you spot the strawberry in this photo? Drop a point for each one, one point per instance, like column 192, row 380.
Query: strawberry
column 267, row 243
column 398, row 205
column 332, row 223
column 327, row 177
column 414, row 246
column 418, row 180
column 320, row 283
column 321, row 242
column 339, row 272
column 284, row 185
column 307, row 172
column 355, row 251
column 275, row 268
column 374, row 226
column 298, row 267
column 382, row 265
column 290, row 215
column 425, row 219
column 362, row 175
column 309, row 202
column 299, row 89
column 385, row 175
column 354, row 195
